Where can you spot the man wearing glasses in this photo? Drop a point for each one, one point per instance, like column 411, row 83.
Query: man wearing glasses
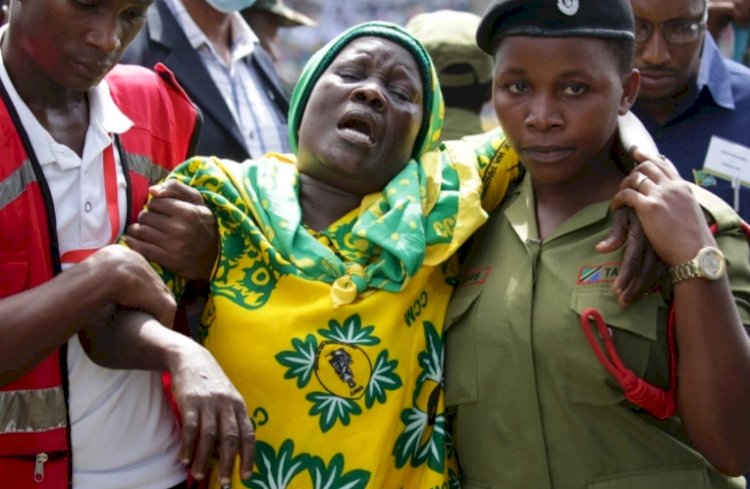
column 691, row 98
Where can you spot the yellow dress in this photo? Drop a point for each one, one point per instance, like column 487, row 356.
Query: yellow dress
column 335, row 339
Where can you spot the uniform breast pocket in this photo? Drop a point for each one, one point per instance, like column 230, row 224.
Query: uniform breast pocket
column 461, row 348
column 634, row 331
column 14, row 270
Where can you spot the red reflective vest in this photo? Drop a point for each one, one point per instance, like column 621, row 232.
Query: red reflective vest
column 34, row 427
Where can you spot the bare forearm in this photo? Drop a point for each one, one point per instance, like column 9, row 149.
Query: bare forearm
column 714, row 373
column 135, row 340
column 213, row 412
column 37, row 321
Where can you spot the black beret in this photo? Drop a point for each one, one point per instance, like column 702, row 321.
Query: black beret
column 606, row 19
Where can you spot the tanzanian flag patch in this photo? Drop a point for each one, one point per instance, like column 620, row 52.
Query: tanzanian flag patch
column 596, row 274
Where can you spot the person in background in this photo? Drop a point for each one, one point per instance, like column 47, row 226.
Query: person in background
column 217, row 58
column 265, row 17
column 729, row 24
column 690, row 94
column 82, row 141
column 554, row 384
column 464, row 70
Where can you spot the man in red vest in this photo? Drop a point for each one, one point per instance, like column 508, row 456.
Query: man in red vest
column 81, row 142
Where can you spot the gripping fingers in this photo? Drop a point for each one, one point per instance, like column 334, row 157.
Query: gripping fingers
column 176, row 190
column 640, row 279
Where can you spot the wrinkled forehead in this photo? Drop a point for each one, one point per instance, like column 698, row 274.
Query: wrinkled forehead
column 380, row 52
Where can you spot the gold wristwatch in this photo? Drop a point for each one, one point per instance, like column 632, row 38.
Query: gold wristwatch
column 709, row 263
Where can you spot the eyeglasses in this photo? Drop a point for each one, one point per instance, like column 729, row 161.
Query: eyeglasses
column 678, row 31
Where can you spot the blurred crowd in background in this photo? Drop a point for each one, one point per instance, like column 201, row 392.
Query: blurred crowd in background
column 334, row 16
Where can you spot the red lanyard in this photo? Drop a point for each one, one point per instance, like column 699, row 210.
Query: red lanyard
column 660, row 403
column 113, row 208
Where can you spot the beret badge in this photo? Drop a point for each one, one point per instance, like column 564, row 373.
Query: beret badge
column 568, row 7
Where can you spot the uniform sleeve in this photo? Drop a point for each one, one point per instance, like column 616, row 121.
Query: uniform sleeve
column 496, row 162
column 736, row 248
column 734, row 242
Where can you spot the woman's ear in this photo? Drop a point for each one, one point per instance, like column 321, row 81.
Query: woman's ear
column 631, row 83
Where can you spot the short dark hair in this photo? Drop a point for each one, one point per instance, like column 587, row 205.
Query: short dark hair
column 623, row 51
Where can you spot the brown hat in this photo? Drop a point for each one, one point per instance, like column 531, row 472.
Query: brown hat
column 449, row 37
column 286, row 16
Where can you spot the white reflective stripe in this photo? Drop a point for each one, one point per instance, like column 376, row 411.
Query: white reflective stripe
column 16, row 183
column 33, row 410
column 143, row 165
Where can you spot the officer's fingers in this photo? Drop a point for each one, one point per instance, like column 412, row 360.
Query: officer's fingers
column 640, row 281
column 635, row 270
column 617, row 234
column 640, row 155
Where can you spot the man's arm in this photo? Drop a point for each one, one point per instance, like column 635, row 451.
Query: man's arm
column 212, row 410
column 37, row 321
column 176, row 230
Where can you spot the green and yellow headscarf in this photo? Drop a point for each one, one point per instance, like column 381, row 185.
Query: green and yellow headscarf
column 419, row 218
column 428, row 137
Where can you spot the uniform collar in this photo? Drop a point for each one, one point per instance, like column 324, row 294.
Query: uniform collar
column 714, row 76
column 521, row 214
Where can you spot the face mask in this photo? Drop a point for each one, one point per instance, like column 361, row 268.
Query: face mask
column 229, row 6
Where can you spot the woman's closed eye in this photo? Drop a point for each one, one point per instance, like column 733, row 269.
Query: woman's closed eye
column 402, row 94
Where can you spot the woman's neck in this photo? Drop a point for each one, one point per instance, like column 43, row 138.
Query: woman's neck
column 323, row 204
column 556, row 203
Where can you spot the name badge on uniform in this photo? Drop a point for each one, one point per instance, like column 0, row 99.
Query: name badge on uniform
column 728, row 160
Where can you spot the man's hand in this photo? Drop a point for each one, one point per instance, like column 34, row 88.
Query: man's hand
column 134, row 283
column 176, row 230
column 213, row 413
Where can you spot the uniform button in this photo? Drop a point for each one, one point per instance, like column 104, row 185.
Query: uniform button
column 251, row 134
column 87, row 206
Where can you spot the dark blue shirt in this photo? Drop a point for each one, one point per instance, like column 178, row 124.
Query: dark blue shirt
column 721, row 107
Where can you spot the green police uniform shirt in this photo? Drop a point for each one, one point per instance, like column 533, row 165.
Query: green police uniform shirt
column 335, row 338
column 534, row 407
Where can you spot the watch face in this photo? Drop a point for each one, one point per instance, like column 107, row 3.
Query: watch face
column 711, row 263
